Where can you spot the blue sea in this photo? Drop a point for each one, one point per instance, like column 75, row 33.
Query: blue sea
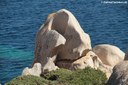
column 21, row 19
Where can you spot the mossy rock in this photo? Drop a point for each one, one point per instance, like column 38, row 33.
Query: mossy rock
column 87, row 76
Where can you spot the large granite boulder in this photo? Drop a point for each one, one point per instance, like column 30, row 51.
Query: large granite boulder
column 119, row 75
column 109, row 54
column 60, row 38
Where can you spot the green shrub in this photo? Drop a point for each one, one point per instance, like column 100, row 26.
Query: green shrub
column 28, row 80
column 60, row 75
column 87, row 76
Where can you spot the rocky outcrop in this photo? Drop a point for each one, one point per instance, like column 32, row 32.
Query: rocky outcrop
column 119, row 75
column 85, row 61
column 62, row 43
column 89, row 60
column 93, row 61
column 80, row 63
column 60, row 38
column 46, row 48
column 109, row 54
column 35, row 70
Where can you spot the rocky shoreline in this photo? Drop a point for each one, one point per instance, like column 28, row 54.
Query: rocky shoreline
column 62, row 43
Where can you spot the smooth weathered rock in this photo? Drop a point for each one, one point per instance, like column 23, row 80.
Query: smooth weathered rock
column 109, row 54
column 76, row 39
column 80, row 63
column 119, row 75
column 86, row 61
column 46, row 48
column 106, row 69
column 49, row 66
column 35, row 70
column 60, row 38
column 89, row 60
column 92, row 60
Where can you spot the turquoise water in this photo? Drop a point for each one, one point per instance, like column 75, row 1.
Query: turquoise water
column 12, row 61
column 20, row 20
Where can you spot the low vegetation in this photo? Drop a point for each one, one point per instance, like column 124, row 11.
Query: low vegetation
column 87, row 76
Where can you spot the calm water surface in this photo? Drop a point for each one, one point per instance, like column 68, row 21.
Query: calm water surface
column 20, row 20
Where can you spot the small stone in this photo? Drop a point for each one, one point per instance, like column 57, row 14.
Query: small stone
column 35, row 70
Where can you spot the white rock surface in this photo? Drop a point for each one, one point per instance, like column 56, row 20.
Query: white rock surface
column 35, row 70
column 49, row 66
column 61, row 37
column 85, row 61
column 109, row 54
column 93, row 61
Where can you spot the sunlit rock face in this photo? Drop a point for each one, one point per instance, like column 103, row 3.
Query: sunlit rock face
column 61, row 43
column 60, row 38
column 109, row 54
column 35, row 70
